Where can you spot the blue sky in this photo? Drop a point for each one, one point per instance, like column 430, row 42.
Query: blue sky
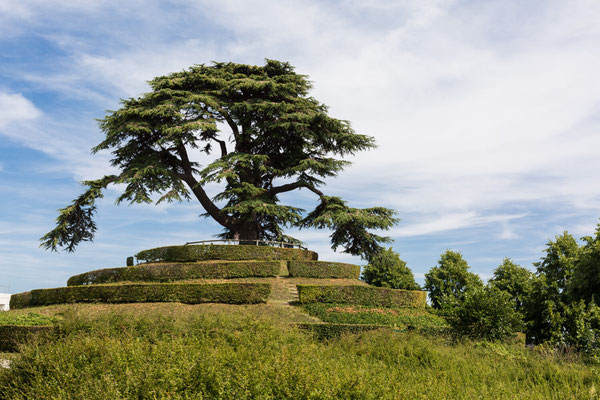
column 486, row 114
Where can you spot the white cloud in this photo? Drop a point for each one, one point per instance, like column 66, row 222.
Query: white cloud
column 16, row 110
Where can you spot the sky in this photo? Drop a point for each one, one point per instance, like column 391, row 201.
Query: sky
column 486, row 115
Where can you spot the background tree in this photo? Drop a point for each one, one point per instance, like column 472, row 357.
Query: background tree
column 450, row 279
column 387, row 269
column 585, row 282
column 515, row 280
column 262, row 135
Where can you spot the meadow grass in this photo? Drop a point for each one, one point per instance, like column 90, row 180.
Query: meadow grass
column 149, row 351
column 25, row 319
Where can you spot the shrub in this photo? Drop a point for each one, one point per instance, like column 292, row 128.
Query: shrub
column 386, row 269
column 224, row 252
column 364, row 295
column 166, row 272
column 191, row 293
column 484, row 313
column 323, row 269
column 129, row 262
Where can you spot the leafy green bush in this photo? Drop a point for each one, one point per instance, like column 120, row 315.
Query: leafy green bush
column 387, row 269
column 167, row 272
column 224, row 252
column 191, row 293
column 323, row 269
column 450, row 279
column 365, row 295
column 484, row 313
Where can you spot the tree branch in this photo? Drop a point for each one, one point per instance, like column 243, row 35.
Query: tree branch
column 210, row 207
column 293, row 186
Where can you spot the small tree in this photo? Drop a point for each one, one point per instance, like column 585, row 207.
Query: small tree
column 484, row 313
column 387, row 269
column 276, row 139
column 515, row 280
column 450, row 279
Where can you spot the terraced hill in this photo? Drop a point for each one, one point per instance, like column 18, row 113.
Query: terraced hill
column 231, row 274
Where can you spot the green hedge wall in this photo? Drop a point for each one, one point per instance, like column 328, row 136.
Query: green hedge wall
column 224, row 252
column 323, row 269
column 167, row 272
column 13, row 335
column 364, row 295
column 330, row 331
column 191, row 293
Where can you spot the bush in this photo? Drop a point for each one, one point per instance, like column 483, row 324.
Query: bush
column 191, row 293
column 364, row 295
column 224, row 252
column 323, row 269
column 487, row 313
column 386, row 269
column 166, row 272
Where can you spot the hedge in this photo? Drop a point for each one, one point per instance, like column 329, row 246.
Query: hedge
column 166, row 272
column 364, row 295
column 224, row 252
column 330, row 331
column 11, row 336
column 191, row 293
column 323, row 269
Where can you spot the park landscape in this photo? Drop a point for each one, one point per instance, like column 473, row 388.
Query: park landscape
column 254, row 313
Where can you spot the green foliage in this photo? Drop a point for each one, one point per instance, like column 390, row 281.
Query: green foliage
column 363, row 295
column 275, row 132
column 387, row 269
column 450, row 280
column 401, row 318
column 224, row 252
column 331, row 331
column 191, row 293
column 186, row 352
column 323, row 269
column 14, row 336
column 168, row 272
column 559, row 263
column 28, row 319
column 585, row 282
column 484, row 313
column 515, row 280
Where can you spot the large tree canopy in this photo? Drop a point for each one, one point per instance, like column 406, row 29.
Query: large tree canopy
column 262, row 135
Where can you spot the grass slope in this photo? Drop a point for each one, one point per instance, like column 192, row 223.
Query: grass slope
column 215, row 351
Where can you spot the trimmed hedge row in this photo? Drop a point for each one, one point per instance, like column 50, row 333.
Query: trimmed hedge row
column 166, row 272
column 323, row 269
column 191, row 293
column 330, row 331
column 11, row 336
column 224, row 252
column 364, row 295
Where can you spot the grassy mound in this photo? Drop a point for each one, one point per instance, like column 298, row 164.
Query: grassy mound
column 363, row 295
column 214, row 351
column 168, row 272
column 323, row 269
column 192, row 293
column 224, row 252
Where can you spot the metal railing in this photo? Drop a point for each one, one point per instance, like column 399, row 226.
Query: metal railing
column 250, row 242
